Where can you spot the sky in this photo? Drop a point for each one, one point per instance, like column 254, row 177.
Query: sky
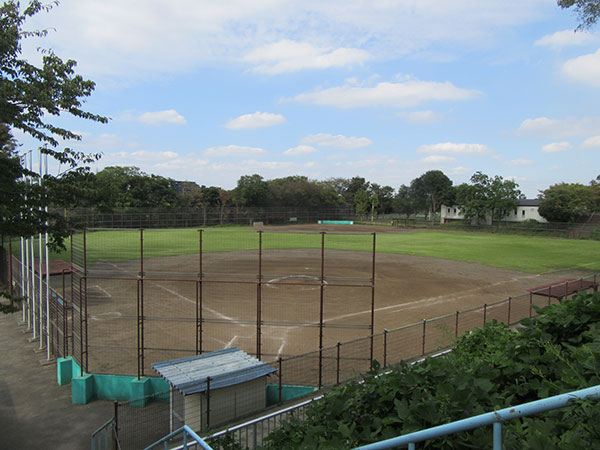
column 210, row 90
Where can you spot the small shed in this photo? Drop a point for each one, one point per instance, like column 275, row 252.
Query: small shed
column 214, row 388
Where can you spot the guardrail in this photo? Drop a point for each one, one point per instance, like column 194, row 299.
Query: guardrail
column 494, row 418
column 190, row 440
column 252, row 433
column 105, row 437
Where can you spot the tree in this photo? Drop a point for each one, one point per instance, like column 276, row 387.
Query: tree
column 361, row 202
column 493, row 196
column 406, row 201
column 432, row 187
column 565, row 202
column 30, row 96
column 385, row 197
column 251, row 190
column 588, row 11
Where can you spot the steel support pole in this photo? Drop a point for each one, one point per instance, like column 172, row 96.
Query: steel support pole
column 321, row 308
column 10, row 269
column 456, row 325
column 84, row 299
column 385, row 335
column 199, row 297
column 424, row 336
column 497, row 435
column 259, row 298
column 141, row 309
column 372, row 325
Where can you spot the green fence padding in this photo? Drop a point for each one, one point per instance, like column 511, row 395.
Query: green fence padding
column 288, row 392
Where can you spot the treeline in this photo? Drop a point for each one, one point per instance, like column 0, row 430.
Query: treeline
column 485, row 196
column 129, row 187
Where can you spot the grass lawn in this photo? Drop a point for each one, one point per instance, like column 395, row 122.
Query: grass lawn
column 523, row 253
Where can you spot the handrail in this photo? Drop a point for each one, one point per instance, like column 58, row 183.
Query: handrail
column 187, row 432
column 102, row 437
column 494, row 418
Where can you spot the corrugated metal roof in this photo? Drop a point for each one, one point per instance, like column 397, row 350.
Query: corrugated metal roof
column 529, row 202
column 224, row 367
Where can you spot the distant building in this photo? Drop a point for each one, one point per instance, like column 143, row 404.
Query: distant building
column 527, row 209
column 184, row 187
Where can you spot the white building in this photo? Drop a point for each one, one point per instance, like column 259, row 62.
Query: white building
column 527, row 209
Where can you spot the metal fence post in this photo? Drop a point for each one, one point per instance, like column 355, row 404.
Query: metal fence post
column 509, row 305
column 280, row 366
column 373, row 297
column 322, row 300
column 385, row 333
column 208, row 402
column 484, row 313
column 10, row 270
column 116, row 433
column 199, row 289
column 424, row 334
column 530, row 304
column 259, row 298
column 456, row 326
column 337, row 373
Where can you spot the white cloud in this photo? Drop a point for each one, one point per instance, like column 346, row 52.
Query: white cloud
column 591, row 142
column 115, row 37
column 338, row 141
column 460, row 170
column 255, row 120
column 516, row 178
column 144, row 155
column 403, row 94
column 233, row 150
column 438, row 159
column 520, row 162
column 566, row 38
column 154, row 118
column 561, row 128
column 556, row 147
column 420, row 116
column 451, row 148
column 290, row 56
column 584, row 69
column 300, row 150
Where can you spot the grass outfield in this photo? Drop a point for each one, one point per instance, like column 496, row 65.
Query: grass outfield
column 525, row 253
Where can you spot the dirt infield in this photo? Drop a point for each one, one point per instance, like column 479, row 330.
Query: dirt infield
column 407, row 290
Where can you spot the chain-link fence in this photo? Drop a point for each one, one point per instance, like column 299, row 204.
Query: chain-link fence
column 144, row 296
column 202, row 216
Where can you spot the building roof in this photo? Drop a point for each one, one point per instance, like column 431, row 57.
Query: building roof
column 529, row 202
column 224, row 367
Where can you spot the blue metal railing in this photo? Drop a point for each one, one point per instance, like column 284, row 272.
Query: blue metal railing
column 494, row 418
column 189, row 440
column 104, row 438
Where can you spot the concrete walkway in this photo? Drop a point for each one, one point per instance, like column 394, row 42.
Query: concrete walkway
column 36, row 413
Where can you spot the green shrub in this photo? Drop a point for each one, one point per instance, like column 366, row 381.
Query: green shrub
column 489, row 368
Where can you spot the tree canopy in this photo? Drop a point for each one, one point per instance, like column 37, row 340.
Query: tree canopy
column 569, row 202
column 432, row 188
column 588, row 11
column 493, row 196
column 30, row 98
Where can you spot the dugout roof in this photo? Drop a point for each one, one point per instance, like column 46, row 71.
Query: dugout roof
column 225, row 367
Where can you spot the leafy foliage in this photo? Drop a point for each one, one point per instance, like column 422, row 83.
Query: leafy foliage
column 487, row 195
column 30, row 97
column 588, row 11
column 490, row 368
column 569, row 202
